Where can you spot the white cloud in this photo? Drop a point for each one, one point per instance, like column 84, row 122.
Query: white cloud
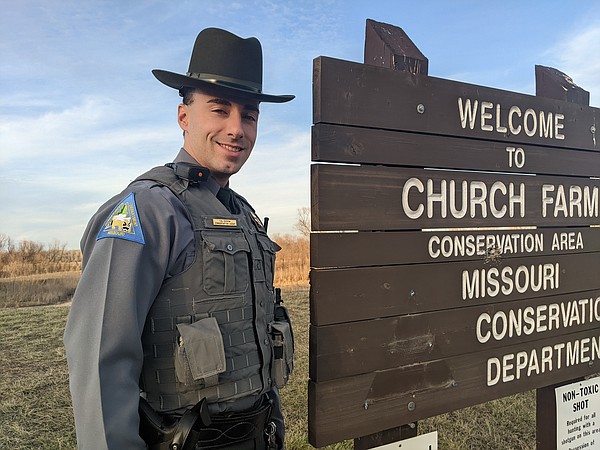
column 73, row 160
column 96, row 125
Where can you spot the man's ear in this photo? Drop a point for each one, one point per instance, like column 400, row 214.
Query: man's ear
column 182, row 116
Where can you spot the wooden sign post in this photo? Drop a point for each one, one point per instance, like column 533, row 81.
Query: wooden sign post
column 455, row 248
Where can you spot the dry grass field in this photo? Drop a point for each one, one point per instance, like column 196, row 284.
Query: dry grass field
column 31, row 275
column 35, row 408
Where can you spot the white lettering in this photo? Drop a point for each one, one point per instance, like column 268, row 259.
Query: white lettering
column 567, row 241
column 534, row 278
column 483, row 337
column 529, row 114
column 412, row 213
column 486, row 115
column 497, row 186
column 466, row 113
column 439, row 197
column 536, row 319
column 514, row 110
column 580, row 202
column 513, row 366
column 475, row 196
column 544, row 124
column 558, row 126
column 493, row 371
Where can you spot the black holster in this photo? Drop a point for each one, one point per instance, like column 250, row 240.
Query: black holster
column 164, row 432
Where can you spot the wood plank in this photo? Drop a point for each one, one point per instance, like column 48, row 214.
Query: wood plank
column 349, row 93
column 346, row 349
column 380, row 248
column 346, row 295
column 344, row 144
column 390, row 198
column 364, row 404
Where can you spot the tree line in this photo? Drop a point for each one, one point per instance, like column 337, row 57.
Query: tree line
column 27, row 257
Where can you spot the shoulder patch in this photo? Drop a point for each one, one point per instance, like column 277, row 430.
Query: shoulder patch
column 123, row 222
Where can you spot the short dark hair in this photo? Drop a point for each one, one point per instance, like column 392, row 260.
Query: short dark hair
column 187, row 93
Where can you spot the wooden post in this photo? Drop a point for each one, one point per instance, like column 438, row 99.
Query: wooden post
column 557, row 85
column 386, row 437
column 388, row 46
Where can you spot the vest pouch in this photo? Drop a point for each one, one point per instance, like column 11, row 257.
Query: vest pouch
column 269, row 249
column 283, row 351
column 225, row 258
column 200, row 354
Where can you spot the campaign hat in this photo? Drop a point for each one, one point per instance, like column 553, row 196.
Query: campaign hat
column 220, row 58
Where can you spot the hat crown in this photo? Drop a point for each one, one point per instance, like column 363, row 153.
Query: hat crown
column 226, row 57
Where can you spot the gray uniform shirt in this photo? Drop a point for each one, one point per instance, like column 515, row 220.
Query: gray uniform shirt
column 118, row 284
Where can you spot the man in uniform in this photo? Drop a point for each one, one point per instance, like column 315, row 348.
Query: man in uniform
column 176, row 338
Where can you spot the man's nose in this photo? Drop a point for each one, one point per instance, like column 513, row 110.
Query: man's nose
column 234, row 125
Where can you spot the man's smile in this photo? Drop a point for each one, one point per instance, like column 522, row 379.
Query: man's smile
column 231, row 148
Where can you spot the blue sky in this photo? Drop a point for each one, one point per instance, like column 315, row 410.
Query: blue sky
column 81, row 114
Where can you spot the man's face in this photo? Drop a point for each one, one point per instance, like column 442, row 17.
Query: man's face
column 219, row 132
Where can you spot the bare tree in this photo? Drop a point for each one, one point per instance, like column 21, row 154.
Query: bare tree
column 303, row 222
column 56, row 251
column 30, row 251
column 7, row 247
column 6, row 243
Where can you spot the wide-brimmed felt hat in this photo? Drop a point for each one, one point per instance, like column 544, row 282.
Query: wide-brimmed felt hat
column 220, row 58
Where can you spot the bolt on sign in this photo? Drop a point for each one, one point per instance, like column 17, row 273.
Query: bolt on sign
column 455, row 246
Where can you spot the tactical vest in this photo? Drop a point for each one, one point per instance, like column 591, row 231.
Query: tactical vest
column 207, row 334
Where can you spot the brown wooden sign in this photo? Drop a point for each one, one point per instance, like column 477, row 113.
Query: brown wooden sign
column 348, row 93
column 339, row 250
column 392, row 198
column 358, row 405
column 356, row 145
column 456, row 241
column 347, row 295
column 353, row 348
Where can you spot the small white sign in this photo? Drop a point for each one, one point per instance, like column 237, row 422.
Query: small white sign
column 578, row 415
column 422, row 442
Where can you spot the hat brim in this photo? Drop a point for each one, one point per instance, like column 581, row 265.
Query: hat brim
column 178, row 81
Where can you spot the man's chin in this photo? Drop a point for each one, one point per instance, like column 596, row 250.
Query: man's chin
column 222, row 175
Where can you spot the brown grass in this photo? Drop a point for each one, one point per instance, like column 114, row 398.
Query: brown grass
column 35, row 406
column 32, row 275
column 292, row 263
column 37, row 290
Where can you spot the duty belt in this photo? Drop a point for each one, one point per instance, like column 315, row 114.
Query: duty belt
column 196, row 429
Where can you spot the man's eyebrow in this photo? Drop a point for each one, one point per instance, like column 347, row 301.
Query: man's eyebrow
column 219, row 101
column 224, row 102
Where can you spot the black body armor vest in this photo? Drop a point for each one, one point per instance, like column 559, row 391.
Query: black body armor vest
column 208, row 332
